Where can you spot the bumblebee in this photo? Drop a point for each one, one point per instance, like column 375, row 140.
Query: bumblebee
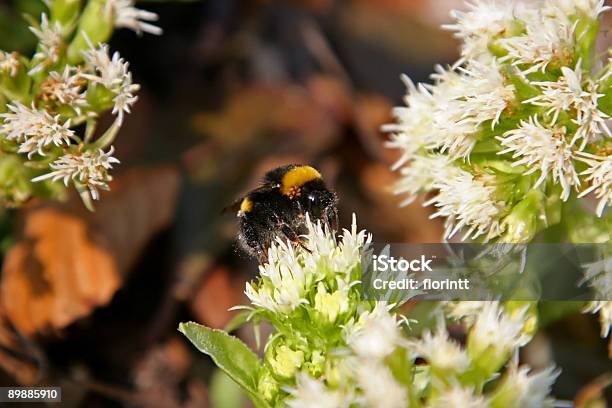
column 278, row 208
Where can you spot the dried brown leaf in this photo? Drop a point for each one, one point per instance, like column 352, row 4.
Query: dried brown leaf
column 67, row 261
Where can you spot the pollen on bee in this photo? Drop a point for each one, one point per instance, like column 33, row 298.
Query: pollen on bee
column 297, row 177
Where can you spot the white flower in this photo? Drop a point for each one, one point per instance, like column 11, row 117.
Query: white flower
column 484, row 21
column 113, row 74
column 50, row 42
column 379, row 387
column 67, row 88
column 468, row 202
column 34, row 129
column 458, row 397
column 311, row 393
column 291, row 271
column 9, row 63
column 376, row 334
column 284, row 280
column 484, row 93
column 549, row 37
column 414, row 122
column 494, row 328
column 568, row 94
column 600, row 176
column 420, row 174
column 590, row 8
column 463, row 99
column 126, row 15
column 440, row 351
column 528, row 391
column 543, row 149
column 89, row 168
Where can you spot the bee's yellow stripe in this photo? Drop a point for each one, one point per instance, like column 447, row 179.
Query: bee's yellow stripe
column 297, row 177
column 246, row 205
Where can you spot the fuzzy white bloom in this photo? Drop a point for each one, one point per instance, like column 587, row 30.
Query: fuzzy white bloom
column 9, row 63
column 590, row 8
column 379, row 387
column 126, row 15
column 113, row 74
column 50, row 42
column 448, row 114
column 573, row 93
column 288, row 280
column 483, row 22
column 376, row 334
column 463, row 99
column 494, row 328
column 89, row 168
column 311, row 393
column 600, row 176
column 542, row 149
column 549, row 37
column 414, row 122
column 421, row 173
column 440, row 351
column 485, row 93
column 34, row 129
column 67, row 88
column 527, row 390
column 291, row 271
column 468, row 202
column 458, row 397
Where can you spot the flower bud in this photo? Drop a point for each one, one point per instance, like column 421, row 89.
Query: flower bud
column 521, row 224
column 267, row 386
column 284, row 361
column 331, row 305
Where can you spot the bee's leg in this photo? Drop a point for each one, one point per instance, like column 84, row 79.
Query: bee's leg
column 294, row 237
column 262, row 256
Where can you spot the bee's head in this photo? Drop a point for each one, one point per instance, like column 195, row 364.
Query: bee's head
column 319, row 203
column 304, row 186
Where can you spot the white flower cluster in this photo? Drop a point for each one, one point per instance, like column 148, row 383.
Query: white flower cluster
column 34, row 129
column 522, row 104
column 354, row 353
column 89, row 168
column 50, row 43
column 291, row 272
column 65, row 90
column 113, row 74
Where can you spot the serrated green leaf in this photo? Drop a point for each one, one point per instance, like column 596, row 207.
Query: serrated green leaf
column 229, row 354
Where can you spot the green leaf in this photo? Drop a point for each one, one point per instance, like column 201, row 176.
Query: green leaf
column 230, row 354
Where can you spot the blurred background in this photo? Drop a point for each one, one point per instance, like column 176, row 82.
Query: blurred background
column 233, row 88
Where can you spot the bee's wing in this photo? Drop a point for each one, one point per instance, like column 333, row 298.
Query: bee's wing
column 235, row 206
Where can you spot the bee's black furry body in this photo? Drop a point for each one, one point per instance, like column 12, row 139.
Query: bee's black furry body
column 279, row 206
